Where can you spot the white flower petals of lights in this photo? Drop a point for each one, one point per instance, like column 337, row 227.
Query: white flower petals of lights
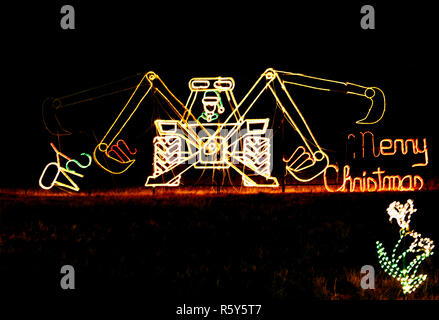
column 401, row 213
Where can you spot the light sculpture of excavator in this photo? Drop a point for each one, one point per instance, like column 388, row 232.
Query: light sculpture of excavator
column 222, row 136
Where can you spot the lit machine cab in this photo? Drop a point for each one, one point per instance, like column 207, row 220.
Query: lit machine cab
column 217, row 137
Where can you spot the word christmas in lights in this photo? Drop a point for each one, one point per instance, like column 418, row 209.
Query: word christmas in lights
column 65, row 171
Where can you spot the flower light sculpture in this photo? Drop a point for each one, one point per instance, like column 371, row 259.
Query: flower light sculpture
column 420, row 249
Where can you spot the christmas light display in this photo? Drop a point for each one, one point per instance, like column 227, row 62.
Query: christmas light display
column 210, row 104
column 419, row 249
column 222, row 136
column 65, row 171
column 378, row 182
column 117, row 152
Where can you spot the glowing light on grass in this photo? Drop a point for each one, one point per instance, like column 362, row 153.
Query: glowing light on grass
column 64, row 171
column 419, row 249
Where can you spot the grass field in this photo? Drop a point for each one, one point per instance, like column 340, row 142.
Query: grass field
column 201, row 245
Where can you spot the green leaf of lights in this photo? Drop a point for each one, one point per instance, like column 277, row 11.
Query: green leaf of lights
column 406, row 276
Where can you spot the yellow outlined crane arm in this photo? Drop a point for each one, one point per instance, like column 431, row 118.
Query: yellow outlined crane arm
column 150, row 82
column 371, row 93
column 310, row 154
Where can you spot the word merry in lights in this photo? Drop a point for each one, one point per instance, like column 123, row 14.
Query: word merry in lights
column 420, row 249
column 65, row 171
column 392, row 147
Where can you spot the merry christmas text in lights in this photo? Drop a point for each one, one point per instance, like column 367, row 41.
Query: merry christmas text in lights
column 378, row 180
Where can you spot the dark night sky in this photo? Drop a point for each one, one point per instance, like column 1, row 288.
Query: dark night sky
column 186, row 40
